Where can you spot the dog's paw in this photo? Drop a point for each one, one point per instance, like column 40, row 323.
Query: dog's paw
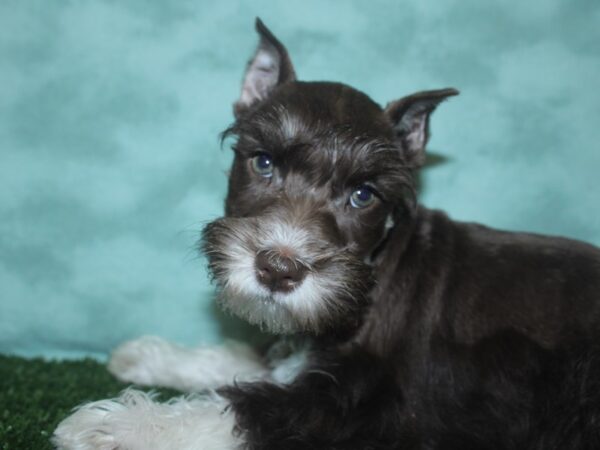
column 152, row 361
column 90, row 427
column 142, row 361
column 134, row 421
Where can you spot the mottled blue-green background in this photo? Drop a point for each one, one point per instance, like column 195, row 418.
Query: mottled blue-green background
column 110, row 162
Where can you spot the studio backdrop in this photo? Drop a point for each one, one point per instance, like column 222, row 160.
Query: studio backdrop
column 110, row 161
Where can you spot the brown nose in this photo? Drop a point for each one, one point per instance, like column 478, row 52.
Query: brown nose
column 277, row 272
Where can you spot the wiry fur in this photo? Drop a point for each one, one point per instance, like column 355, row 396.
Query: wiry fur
column 135, row 420
column 335, row 287
column 424, row 333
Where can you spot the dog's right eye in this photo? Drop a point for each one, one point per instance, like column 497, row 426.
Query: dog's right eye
column 262, row 164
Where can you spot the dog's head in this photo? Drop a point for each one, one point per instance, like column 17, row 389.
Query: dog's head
column 321, row 175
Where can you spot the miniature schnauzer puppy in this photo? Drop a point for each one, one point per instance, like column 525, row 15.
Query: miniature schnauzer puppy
column 403, row 328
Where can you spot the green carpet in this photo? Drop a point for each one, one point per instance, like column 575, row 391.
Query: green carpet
column 35, row 395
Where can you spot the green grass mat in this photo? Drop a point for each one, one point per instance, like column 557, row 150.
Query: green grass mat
column 35, row 395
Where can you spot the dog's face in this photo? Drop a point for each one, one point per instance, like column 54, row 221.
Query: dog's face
column 321, row 174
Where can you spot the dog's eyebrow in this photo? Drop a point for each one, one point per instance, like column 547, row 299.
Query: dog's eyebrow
column 250, row 145
column 378, row 162
column 369, row 155
column 267, row 133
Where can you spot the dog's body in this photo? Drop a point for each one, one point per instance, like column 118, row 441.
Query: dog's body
column 419, row 332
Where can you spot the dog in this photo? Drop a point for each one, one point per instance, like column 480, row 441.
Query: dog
column 399, row 327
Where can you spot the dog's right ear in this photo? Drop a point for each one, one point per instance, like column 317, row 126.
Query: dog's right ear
column 269, row 67
column 410, row 120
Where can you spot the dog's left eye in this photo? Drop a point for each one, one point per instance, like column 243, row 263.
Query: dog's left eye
column 362, row 197
column 262, row 164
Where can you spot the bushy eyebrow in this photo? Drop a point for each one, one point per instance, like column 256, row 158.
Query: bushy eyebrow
column 248, row 146
column 380, row 165
column 264, row 134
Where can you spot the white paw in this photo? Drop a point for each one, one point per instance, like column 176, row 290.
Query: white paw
column 134, row 421
column 152, row 361
column 142, row 360
column 90, row 427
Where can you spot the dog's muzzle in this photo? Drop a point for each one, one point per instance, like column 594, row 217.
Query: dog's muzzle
column 285, row 275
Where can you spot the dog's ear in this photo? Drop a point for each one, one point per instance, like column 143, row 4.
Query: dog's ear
column 410, row 120
column 269, row 67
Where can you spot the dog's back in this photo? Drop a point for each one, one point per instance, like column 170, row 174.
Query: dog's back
column 467, row 282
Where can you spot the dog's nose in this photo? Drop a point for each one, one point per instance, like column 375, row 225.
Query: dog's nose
column 277, row 272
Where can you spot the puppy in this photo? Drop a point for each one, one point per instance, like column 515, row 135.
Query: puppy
column 403, row 328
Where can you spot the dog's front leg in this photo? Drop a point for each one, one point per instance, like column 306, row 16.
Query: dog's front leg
column 135, row 421
column 152, row 361
column 338, row 402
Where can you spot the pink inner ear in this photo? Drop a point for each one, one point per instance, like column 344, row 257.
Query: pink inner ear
column 261, row 77
column 415, row 138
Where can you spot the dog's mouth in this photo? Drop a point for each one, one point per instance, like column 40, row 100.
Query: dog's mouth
column 283, row 278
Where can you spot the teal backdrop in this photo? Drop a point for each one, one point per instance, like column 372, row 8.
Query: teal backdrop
column 110, row 162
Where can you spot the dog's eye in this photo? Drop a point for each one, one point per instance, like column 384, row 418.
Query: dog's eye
column 262, row 164
column 362, row 197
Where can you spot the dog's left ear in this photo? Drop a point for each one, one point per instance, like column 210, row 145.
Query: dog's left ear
column 269, row 67
column 410, row 121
